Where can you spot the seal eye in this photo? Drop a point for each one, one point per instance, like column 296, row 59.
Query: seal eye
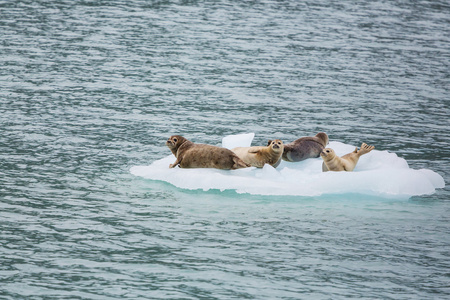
column 328, row 151
column 175, row 140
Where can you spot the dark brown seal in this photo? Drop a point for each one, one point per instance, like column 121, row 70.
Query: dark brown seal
column 191, row 155
column 305, row 147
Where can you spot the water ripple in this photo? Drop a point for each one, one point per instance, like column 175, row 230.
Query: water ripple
column 90, row 88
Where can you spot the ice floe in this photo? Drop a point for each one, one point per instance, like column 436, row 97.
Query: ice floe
column 378, row 173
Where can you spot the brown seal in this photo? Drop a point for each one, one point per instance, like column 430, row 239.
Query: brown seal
column 305, row 147
column 257, row 156
column 191, row 155
column 332, row 162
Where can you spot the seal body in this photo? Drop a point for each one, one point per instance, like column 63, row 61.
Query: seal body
column 305, row 147
column 332, row 162
column 257, row 156
column 191, row 155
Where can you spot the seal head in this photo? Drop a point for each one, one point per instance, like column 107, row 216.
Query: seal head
column 174, row 142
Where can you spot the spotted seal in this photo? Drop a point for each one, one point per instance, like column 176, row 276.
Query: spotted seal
column 257, row 156
column 191, row 155
column 332, row 162
column 305, row 147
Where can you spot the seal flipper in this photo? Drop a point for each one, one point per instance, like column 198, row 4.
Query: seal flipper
column 365, row 149
column 286, row 153
column 324, row 167
column 176, row 163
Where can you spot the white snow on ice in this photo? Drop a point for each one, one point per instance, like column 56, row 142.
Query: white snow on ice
column 378, row 173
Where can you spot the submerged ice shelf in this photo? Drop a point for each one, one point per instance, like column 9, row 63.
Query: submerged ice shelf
column 378, row 173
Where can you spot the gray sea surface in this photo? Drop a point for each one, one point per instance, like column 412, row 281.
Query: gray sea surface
column 91, row 88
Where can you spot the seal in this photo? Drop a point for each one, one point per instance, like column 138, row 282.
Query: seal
column 305, row 147
column 191, row 155
column 332, row 162
column 257, row 156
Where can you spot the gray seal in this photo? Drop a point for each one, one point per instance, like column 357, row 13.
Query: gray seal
column 305, row 147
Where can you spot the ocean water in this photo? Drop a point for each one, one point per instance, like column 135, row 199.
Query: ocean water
column 90, row 89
